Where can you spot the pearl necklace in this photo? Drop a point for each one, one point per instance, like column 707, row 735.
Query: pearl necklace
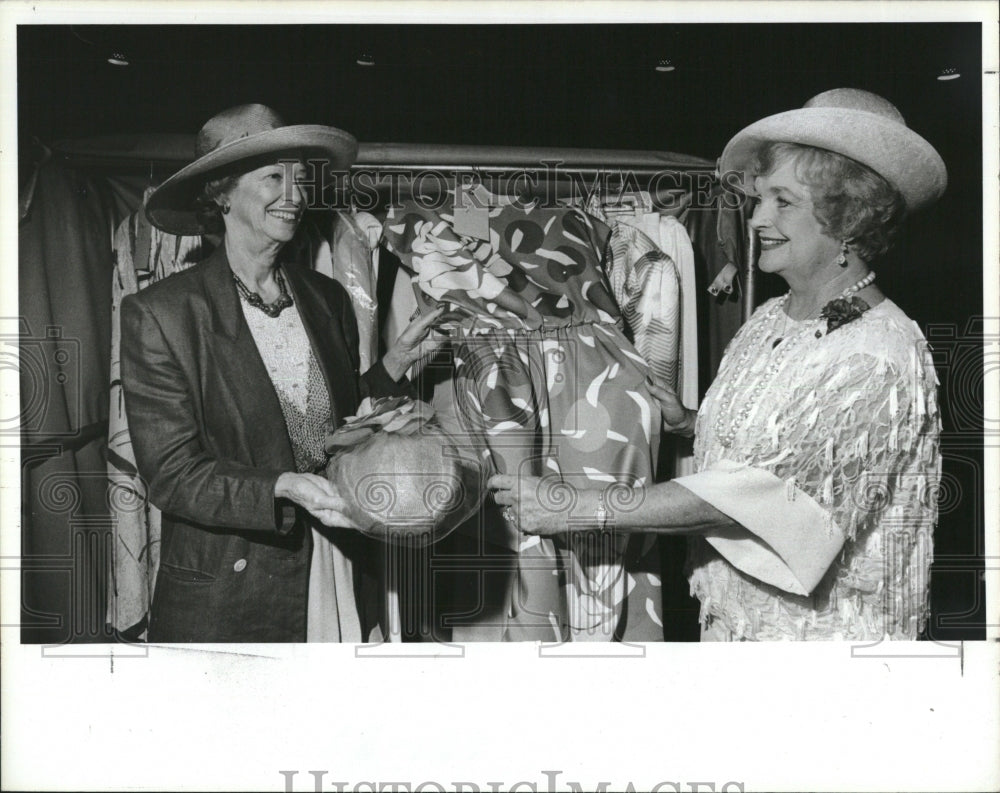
column 781, row 346
column 855, row 287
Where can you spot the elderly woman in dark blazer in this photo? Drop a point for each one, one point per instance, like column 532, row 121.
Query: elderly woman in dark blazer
column 232, row 371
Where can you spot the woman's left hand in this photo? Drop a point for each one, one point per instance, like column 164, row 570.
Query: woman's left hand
column 544, row 506
column 676, row 418
column 418, row 340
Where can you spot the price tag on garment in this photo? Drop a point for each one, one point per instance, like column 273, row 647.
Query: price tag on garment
column 472, row 211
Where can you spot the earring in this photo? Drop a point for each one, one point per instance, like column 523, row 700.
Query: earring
column 842, row 259
column 225, row 209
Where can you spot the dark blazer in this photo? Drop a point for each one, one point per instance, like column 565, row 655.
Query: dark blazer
column 210, row 441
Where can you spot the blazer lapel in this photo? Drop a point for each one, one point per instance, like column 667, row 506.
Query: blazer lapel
column 328, row 343
column 242, row 368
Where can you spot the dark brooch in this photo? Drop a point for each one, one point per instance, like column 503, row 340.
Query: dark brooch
column 840, row 311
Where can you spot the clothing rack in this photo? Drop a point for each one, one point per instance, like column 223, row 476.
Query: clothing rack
column 642, row 166
column 164, row 153
column 154, row 157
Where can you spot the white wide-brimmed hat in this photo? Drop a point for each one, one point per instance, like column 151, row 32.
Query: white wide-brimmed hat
column 857, row 124
column 246, row 132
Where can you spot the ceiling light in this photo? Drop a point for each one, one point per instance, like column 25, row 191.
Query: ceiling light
column 666, row 65
column 950, row 73
column 116, row 58
column 364, row 59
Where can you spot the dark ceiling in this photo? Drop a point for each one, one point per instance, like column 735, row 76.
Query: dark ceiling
column 544, row 85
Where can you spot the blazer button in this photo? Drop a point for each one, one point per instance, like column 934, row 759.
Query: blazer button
column 240, row 566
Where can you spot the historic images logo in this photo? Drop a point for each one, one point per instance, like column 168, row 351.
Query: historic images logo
column 549, row 785
column 547, row 184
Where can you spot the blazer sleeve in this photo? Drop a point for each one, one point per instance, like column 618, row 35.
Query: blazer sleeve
column 181, row 477
column 376, row 382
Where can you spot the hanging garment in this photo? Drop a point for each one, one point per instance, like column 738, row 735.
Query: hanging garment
column 402, row 305
column 143, row 255
column 61, row 331
column 670, row 236
column 546, row 384
column 674, row 241
column 353, row 255
column 355, row 244
column 651, row 268
column 645, row 284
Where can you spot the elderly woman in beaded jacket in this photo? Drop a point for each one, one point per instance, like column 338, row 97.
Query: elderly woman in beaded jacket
column 814, row 502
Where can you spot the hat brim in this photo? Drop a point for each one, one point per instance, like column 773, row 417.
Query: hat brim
column 171, row 206
column 897, row 153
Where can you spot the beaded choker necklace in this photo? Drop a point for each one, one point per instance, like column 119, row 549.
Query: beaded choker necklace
column 283, row 301
column 742, row 366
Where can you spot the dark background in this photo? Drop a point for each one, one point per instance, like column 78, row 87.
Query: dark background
column 589, row 86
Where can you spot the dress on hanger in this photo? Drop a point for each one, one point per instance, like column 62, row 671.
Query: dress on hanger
column 545, row 383
column 646, row 285
column 651, row 265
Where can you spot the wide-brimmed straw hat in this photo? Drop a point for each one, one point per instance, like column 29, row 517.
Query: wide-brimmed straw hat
column 857, row 124
column 241, row 135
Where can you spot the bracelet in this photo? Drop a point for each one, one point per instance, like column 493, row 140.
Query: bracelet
column 601, row 513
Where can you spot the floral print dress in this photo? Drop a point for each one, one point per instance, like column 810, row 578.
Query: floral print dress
column 546, row 384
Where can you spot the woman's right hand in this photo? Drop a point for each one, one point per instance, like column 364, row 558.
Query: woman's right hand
column 418, row 341
column 316, row 495
column 676, row 418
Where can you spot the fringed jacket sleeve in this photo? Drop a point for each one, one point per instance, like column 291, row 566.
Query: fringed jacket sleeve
column 841, row 443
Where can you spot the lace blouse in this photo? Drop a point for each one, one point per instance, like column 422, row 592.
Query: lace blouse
column 298, row 381
column 825, row 446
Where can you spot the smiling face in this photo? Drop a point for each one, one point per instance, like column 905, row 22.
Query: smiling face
column 793, row 243
column 266, row 204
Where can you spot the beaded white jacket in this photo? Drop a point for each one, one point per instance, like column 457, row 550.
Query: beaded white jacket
column 824, row 446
